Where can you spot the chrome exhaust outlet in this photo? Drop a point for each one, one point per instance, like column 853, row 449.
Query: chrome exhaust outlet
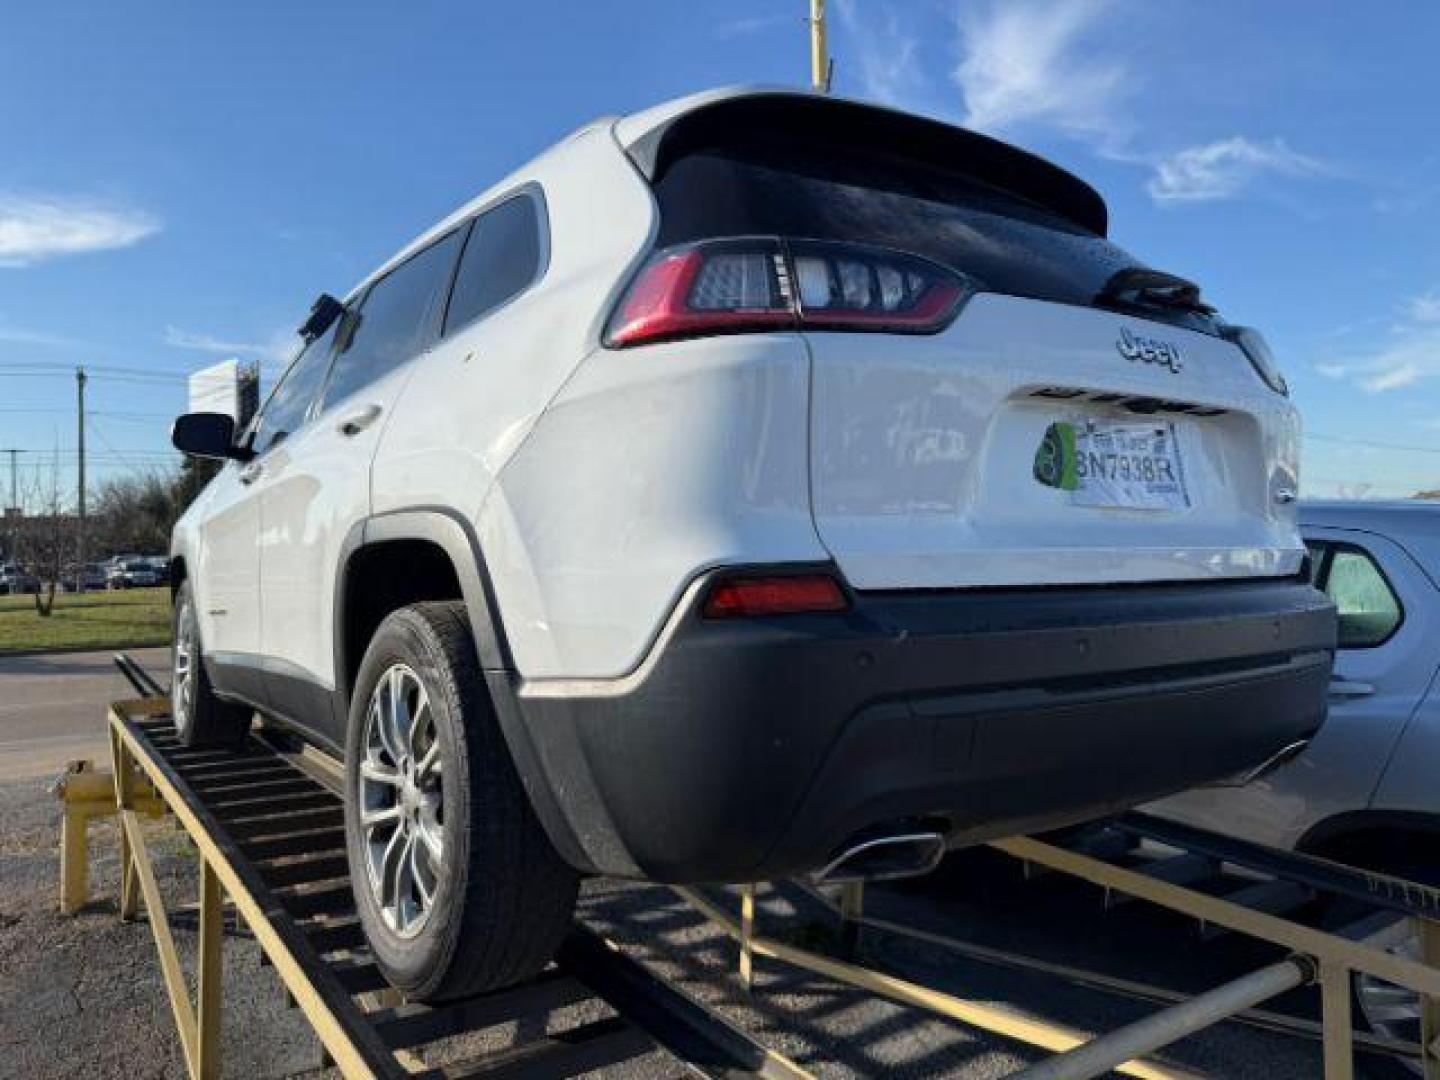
column 1283, row 756
column 884, row 858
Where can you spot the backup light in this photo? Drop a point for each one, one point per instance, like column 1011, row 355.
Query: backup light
column 755, row 284
column 792, row 594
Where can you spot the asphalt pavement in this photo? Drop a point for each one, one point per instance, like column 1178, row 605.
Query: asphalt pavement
column 52, row 707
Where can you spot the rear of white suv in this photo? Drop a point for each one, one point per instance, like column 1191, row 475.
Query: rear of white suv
column 817, row 487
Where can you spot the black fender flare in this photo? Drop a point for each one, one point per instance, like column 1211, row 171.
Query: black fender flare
column 454, row 535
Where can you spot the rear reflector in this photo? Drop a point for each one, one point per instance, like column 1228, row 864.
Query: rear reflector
column 760, row 283
column 751, row 596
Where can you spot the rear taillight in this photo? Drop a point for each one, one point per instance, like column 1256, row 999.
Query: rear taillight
column 735, row 286
column 791, row 594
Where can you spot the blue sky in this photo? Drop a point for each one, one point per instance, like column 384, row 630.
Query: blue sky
column 180, row 179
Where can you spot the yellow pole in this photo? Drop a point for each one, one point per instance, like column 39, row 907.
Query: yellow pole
column 819, row 49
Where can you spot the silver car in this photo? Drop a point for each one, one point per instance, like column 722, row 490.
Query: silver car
column 1365, row 791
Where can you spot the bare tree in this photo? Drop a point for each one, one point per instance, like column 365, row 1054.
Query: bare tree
column 45, row 537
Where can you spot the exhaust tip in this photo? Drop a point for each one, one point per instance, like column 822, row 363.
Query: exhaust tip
column 884, row 858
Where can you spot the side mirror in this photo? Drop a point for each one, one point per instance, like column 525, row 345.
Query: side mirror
column 323, row 313
column 207, row 435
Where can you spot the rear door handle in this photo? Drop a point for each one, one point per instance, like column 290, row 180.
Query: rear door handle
column 1344, row 688
column 357, row 421
column 251, row 472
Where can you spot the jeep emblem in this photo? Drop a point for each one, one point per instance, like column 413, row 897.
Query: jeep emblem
column 1147, row 350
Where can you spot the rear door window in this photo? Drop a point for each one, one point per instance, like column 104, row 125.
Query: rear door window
column 1368, row 609
column 398, row 317
column 503, row 257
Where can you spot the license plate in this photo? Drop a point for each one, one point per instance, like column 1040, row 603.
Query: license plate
column 1130, row 466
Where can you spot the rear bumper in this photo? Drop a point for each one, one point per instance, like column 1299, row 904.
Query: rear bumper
column 752, row 749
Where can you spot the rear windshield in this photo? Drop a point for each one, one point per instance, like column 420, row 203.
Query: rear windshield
column 1004, row 243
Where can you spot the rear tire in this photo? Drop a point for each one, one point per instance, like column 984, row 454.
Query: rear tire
column 458, row 887
column 201, row 718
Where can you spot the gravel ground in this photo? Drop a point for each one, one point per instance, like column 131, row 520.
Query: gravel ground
column 83, row 995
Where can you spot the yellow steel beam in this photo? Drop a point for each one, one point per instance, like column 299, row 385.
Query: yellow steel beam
column 1056, row 1038
column 327, row 1026
column 211, row 970
column 1429, row 932
column 164, row 941
column 1324, row 947
column 1338, row 1027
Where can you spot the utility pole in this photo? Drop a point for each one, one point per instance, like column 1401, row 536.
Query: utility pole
column 14, row 497
column 819, row 49
column 14, row 486
column 80, row 443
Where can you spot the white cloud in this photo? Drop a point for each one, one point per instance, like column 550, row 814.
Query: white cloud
column 1031, row 62
column 1410, row 355
column 1225, row 168
column 884, row 51
column 280, row 346
column 21, row 335
column 34, row 228
column 1425, row 308
column 748, row 26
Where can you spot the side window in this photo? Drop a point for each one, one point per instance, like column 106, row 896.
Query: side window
column 503, row 256
column 291, row 398
column 399, row 316
column 1369, row 610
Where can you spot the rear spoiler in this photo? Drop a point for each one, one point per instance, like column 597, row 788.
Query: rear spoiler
column 655, row 139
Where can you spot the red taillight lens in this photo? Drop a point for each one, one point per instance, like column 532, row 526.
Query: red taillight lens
column 734, row 286
column 711, row 289
column 789, row 595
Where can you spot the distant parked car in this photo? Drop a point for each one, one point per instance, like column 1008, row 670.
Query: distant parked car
column 1364, row 791
column 86, row 578
column 16, row 579
column 134, row 574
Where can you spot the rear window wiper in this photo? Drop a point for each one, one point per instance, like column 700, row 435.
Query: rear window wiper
column 1152, row 288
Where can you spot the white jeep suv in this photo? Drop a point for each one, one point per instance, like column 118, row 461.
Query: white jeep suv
column 760, row 484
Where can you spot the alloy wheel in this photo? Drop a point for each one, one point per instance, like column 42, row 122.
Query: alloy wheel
column 1393, row 1011
column 401, row 806
column 182, row 673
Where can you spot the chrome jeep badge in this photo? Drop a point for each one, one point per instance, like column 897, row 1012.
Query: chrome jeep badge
column 1147, row 350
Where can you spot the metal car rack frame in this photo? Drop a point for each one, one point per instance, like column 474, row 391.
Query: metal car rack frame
column 1387, row 911
column 270, row 838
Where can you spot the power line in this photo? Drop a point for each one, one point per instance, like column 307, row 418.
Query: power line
column 1372, row 443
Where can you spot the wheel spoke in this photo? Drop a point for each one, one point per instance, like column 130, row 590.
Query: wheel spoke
column 405, row 883
column 434, row 845
column 426, row 892
column 378, row 773
column 390, row 874
column 417, row 725
column 399, row 714
column 379, row 724
column 430, row 763
column 371, row 819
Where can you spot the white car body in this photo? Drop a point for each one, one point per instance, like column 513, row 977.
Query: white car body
column 602, row 484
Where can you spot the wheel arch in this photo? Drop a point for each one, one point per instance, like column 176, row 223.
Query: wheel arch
column 444, row 534
column 1385, row 841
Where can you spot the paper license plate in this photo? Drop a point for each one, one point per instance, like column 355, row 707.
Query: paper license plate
column 1132, row 466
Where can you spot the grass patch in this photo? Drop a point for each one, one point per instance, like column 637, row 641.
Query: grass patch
column 96, row 620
